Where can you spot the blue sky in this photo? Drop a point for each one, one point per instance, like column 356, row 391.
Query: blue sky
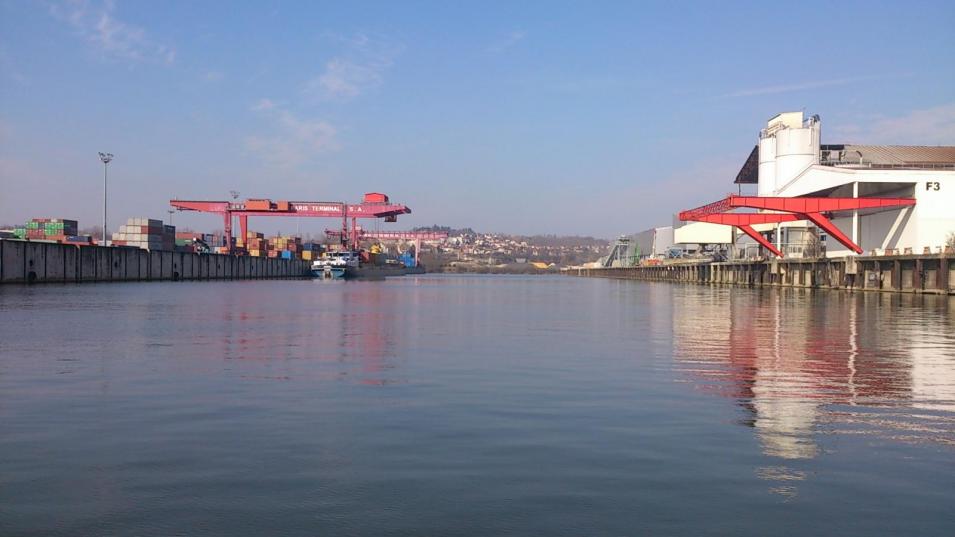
column 526, row 117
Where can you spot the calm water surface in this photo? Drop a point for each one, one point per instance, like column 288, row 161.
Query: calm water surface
column 456, row 405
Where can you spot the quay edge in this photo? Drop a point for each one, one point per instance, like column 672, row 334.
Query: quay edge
column 47, row 262
column 927, row 273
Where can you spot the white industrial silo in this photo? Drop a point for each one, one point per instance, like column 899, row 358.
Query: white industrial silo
column 787, row 147
column 766, row 182
column 797, row 148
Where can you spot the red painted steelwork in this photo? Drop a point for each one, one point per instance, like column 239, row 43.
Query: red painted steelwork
column 318, row 209
column 790, row 209
column 758, row 237
column 394, row 235
column 816, row 205
column 747, row 219
column 313, row 209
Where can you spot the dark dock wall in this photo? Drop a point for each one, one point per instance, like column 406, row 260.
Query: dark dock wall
column 902, row 274
column 40, row 262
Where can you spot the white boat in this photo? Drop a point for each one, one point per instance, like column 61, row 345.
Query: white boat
column 336, row 265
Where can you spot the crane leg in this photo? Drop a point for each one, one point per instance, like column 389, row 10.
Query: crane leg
column 243, row 229
column 227, row 216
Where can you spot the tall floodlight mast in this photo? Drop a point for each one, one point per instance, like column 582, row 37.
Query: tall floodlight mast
column 106, row 158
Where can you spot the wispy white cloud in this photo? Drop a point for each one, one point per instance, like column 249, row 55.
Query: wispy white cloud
column 927, row 126
column 262, row 105
column 98, row 25
column 506, row 42
column 294, row 140
column 345, row 79
column 359, row 68
column 798, row 86
column 213, row 76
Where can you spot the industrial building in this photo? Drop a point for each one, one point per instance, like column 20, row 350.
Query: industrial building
column 814, row 199
column 630, row 250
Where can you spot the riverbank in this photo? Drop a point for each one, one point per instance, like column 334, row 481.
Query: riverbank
column 45, row 262
column 933, row 274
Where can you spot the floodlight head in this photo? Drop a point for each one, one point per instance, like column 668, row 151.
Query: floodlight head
column 105, row 157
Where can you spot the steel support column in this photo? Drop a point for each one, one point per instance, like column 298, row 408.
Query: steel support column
column 227, row 217
column 244, row 230
column 758, row 237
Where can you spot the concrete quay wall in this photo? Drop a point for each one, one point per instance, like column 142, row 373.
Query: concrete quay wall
column 933, row 274
column 42, row 262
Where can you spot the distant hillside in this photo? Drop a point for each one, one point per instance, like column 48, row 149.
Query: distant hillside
column 447, row 229
column 565, row 241
column 551, row 241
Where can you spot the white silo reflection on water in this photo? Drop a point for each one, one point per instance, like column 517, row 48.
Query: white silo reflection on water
column 804, row 365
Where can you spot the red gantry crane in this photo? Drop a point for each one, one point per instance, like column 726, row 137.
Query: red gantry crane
column 374, row 205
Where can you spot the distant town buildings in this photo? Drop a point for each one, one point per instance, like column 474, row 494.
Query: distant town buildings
column 475, row 251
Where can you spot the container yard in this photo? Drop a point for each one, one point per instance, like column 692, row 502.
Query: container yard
column 49, row 249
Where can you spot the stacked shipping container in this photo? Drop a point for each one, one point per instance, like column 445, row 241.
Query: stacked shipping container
column 282, row 247
column 311, row 250
column 51, row 229
column 146, row 233
column 256, row 244
column 285, row 247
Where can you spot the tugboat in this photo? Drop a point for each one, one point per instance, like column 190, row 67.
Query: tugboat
column 336, row 265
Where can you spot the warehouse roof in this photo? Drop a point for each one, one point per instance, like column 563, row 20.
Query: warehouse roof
column 749, row 173
column 903, row 157
column 888, row 156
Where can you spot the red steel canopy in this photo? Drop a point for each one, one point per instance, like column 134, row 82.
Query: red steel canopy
column 788, row 210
